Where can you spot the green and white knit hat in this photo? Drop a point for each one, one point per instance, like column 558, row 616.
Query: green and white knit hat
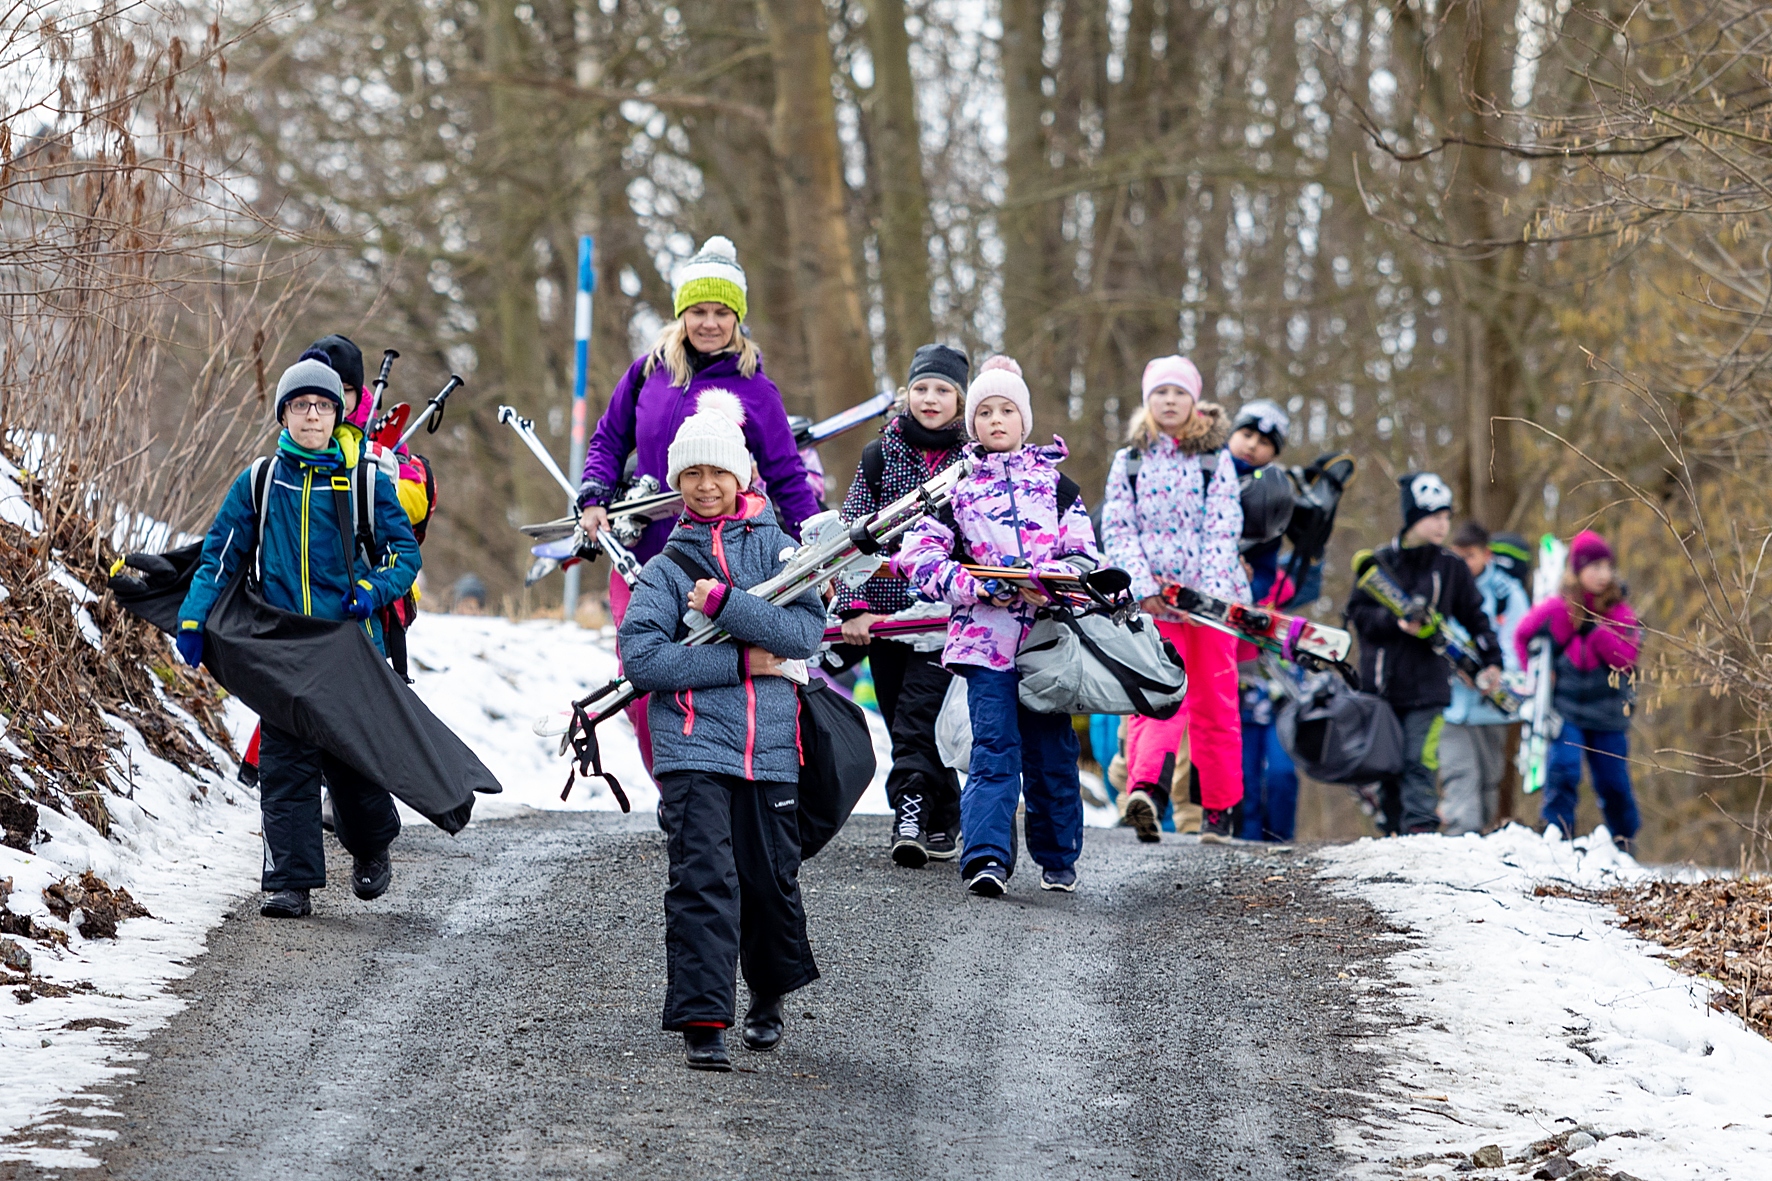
column 711, row 276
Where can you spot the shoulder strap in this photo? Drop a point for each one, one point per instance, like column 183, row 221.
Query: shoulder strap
column 363, row 501
column 687, row 564
column 873, row 467
column 261, row 470
column 341, row 508
column 1134, row 461
column 1068, row 492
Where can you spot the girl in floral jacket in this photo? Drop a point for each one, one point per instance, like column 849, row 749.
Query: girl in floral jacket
column 1172, row 516
column 1006, row 513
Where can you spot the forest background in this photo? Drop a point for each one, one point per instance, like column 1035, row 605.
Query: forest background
column 1520, row 242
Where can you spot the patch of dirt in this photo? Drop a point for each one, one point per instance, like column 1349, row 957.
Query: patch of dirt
column 101, row 907
column 1722, row 926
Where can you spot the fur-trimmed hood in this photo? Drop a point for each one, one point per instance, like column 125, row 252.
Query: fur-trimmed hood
column 1218, row 433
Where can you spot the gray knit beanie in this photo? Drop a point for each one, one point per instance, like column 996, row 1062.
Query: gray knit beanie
column 310, row 375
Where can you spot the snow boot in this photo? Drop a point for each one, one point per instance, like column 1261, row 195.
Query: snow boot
column 287, row 904
column 370, row 875
column 908, row 848
column 763, row 1024
column 1215, row 826
column 704, row 1048
column 1142, row 813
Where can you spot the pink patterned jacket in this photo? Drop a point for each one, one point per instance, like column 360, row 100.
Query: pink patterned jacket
column 1181, row 529
column 1007, row 514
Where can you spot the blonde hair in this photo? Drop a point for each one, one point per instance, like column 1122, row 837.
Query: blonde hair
column 672, row 350
column 1143, row 431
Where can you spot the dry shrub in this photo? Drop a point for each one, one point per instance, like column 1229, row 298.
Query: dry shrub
column 1724, row 929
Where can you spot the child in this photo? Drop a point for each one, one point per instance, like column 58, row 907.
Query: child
column 1007, row 512
column 1473, row 745
column 1595, row 637
column 1399, row 664
column 1173, row 515
column 725, row 728
column 925, row 438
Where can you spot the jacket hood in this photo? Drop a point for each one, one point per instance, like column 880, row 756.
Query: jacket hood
column 1218, row 431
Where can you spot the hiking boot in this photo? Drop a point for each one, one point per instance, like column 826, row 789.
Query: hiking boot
column 908, row 848
column 1215, row 825
column 1141, row 814
column 370, row 875
column 942, row 846
column 1059, row 879
column 763, row 1024
column 286, row 904
column 248, row 774
column 988, row 878
column 704, row 1048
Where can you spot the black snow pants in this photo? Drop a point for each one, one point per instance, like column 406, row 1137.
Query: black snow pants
column 734, row 894
column 910, row 686
column 1411, row 799
column 289, row 774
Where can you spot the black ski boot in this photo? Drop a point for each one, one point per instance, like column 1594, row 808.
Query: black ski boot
column 287, row 904
column 763, row 1024
column 704, row 1048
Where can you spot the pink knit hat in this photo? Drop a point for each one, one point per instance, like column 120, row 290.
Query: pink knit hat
column 1000, row 377
column 1587, row 548
column 1172, row 370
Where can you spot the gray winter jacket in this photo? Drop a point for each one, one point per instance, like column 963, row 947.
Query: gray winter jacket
column 706, row 715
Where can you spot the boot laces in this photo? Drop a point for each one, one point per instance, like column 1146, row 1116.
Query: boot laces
column 910, row 816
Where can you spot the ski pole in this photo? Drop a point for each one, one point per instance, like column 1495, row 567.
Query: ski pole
column 433, row 412
column 381, row 384
column 525, row 428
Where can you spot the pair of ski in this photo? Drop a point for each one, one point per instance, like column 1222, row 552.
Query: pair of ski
column 831, row 549
column 1543, row 724
column 1290, row 637
column 1446, row 635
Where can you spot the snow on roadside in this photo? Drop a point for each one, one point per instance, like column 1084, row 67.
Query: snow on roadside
column 187, row 855
column 1533, row 1016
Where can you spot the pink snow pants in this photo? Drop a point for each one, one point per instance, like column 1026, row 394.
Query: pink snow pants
column 619, row 594
column 1208, row 719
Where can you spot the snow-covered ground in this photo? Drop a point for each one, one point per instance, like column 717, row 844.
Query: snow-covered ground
column 1534, row 1016
column 186, row 848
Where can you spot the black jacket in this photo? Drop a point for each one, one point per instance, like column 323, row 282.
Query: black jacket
column 1404, row 669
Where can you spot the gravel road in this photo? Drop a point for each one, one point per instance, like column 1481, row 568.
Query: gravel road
column 496, row 1016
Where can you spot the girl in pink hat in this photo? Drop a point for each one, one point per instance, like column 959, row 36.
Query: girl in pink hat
column 1172, row 516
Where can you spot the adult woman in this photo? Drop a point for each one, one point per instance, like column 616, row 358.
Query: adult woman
column 924, row 438
column 703, row 348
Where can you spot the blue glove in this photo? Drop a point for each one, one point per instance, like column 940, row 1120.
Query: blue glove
column 189, row 643
column 359, row 604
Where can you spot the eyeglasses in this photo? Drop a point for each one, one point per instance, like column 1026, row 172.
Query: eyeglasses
column 313, row 407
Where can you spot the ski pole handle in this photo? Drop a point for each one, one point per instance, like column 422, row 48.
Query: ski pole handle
column 381, row 384
column 433, row 412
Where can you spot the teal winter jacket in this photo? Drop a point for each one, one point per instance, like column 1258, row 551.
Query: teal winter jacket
column 304, row 563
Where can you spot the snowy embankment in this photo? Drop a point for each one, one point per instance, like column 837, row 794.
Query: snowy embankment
column 1534, row 1016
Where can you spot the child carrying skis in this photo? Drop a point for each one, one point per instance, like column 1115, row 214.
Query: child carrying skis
column 1011, row 510
column 1398, row 662
column 1595, row 637
column 923, row 439
column 1173, row 515
column 1473, row 745
column 725, row 733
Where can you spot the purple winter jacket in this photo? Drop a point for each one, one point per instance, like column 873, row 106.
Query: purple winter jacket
column 643, row 416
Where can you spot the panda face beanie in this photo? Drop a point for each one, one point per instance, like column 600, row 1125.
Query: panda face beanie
column 714, row 436
column 310, row 375
column 1000, row 377
column 711, row 276
column 1422, row 495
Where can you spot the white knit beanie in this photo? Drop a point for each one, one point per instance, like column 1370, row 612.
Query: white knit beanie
column 714, row 434
column 1000, row 377
column 711, row 276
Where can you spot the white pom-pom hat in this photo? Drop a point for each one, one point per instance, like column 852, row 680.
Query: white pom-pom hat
column 714, row 435
column 711, row 276
column 1000, row 377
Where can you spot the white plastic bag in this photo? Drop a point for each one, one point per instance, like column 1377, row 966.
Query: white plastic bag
column 953, row 728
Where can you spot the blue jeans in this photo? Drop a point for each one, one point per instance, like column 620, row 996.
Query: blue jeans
column 1606, row 755
column 1270, row 786
column 1016, row 752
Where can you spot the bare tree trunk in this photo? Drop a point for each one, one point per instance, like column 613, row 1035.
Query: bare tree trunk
column 903, row 231
column 1028, row 222
column 809, row 157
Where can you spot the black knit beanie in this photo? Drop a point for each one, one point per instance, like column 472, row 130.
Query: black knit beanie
column 345, row 358
column 940, row 360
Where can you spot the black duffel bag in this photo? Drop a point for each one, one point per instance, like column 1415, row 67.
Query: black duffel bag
column 1337, row 735
column 837, row 763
